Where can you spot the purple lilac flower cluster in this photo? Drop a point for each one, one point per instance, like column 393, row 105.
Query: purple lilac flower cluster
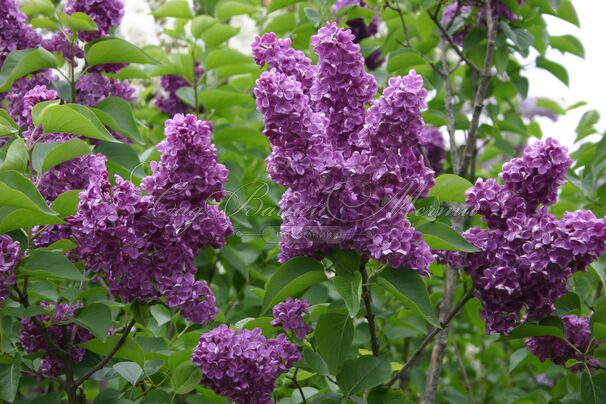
column 144, row 246
column 433, row 143
column 95, row 87
column 106, row 13
column 289, row 315
column 349, row 171
column 243, row 365
column 10, row 254
column 15, row 32
column 527, row 255
column 58, row 326
column 577, row 332
column 169, row 102
column 361, row 30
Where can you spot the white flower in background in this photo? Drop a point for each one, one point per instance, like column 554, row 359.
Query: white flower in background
column 248, row 30
column 138, row 25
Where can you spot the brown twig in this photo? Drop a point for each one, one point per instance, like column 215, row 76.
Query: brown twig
column 417, row 353
column 367, row 297
column 451, row 41
column 107, row 358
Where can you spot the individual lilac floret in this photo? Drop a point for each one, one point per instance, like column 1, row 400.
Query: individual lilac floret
column 433, row 143
column 10, row 254
column 94, row 87
column 58, row 326
column 350, row 172
column 15, row 32
column 106, row 13
column 169, row 102
column 577, row 332
column 539, row 173
column 289, row 315
column 243, row 365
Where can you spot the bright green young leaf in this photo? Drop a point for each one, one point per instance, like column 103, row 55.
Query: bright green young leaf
column 78, row 21
column 201, row 24
column 554, row 68
column 122, row 118
column 587, row 124
column 442, row 237
column 130, row 350
column 226, row 56
column 97, row 318
column 16, row 157
column 33, row 7
column 568, row 44
column 218, row 33
column 220, row 99
column 10, row 375
column 229, row 8
column 291, row 279
column 115, row 50
column 403, row 60
column 410, row 289
column 567, row 12
column 185, row 378
column 349, row 287
column 66, row 204
column 130, row 371
column 22, row 62
column 361, row 374
column 18, row 192
column 451, row 188
column 44, row 23
column 334, row 335
column 50, row 264
column 175, row 9
column 278, row 4
column 264, row 323
column 74, row 119
column 49, row 155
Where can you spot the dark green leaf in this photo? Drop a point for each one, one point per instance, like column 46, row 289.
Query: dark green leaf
column 9, row 380
column 66, row 204
column 185, row 378
column 410, row 289
column 361, row 374
column 50, row 264
column 97, row 318
column 334, row 335
column 22, row 62
column 550, row 326
column 593, row 388
column 122, row 116
column 130, row 371
column 16, row 157
column 115, row 50
column 74, row 119
column 130, row 350
column 49, row 155
column 345, row 261
column 349, row 287
column 441, row 237
column 18, row 192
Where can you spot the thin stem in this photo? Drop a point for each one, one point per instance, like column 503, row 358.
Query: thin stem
column 398, row 10
column 480, row 94
column 417, row 353
column 294, row 380
column 451, row 41
column 107, row 358
column 367, row 297
column 464, row 371
column 450, row 116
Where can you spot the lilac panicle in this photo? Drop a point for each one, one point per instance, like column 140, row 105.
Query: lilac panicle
column 95, row 87
column 106, row 13
column 289, row 315
column 169, row 102
column 58, row 326
column 10, row 254
column 577, row 332
column 349, row 172
column 527, row 255
column 433, row 143
column 243, row 365
column 15, row 32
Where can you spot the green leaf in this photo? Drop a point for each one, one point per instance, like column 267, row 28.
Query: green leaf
column 66, row 204
column 97, row 318
column 9, row 380
column 587, row 123
column 593, row 388
column 44, row 23
column 450, row 187
column 115, row 50
column 569, row 303
column 130, row 371
column 49, row 155
column 123, row 120
column 160, row 314
column 441, row 237
column 229, row 8
column 14, row 218
column 264, row 323
column 140, row 311
column 567, row 12
column 50, row 264
column 74, row 119
column 18, row 192
column 78, row 21
column 349, row 287
column 402, row 60
column 218, row 33
column 549, row 326
column 223, row 57
column 313, row 15
column 334, row 335
column 410, row 289
column 33, row 7
column 598, row 323
column 122, row 159
column 361, row 374
column 292, row 278
column 16, row 157
column 20, row 63
column 554, row 68
column 345, row 261
column 201, row 24
column 278, row 4
column 219, row 99
column 175, row 9
column 185, row 378
column 568, row 43
column 130, row 350
column 517, row 357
